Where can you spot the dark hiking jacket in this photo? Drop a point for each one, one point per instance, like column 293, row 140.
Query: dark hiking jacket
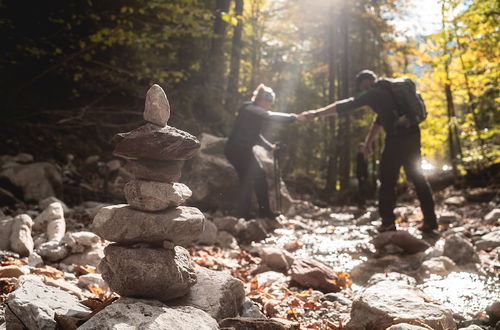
column 379, row 99
column 248, row 125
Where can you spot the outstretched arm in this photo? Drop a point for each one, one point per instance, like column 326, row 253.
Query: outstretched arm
column 329, row 110
column 277, row 117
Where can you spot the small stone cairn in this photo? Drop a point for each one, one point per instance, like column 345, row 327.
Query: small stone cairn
column 148, row 259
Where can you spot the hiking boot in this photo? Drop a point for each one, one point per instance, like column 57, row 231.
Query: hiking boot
column 428, row 228
column 384, row 228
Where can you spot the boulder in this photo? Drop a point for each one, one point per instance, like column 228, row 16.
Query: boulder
column 209, row 234
column 406, row 326
column 439, row 265
column 455, row 201
column 89, row 257
column 37, row 180
column 250, row 323
column 338, row 297
column 489, row 241
column 458, row 249
column 5, row 231
column 93, row 280
column 35, row 260
column 21, row 241
column 52, row 221
column 251, row 231
column 448, row 217
column 156, row 108
column 22, row 158
column 388, row 301
column 155, row 170
column 122, row 224
column 79, row 241
column 229, row 224
column 155, row 196
column 493, row 216
column 13, row 271
column 313, row 274
column 277, row 259
column 153, row 142
column 268, row 278
column 392, row 277
column 251, row 309
column 493, row 312
column 35, row 304
column 402, row 239
column 129, row 313
column 44, row 203
column 217, row 293
column 52, row 251
column 153, row 273
column 204, row 172
column 225, row 240
column 406, row 264
column 266, row 160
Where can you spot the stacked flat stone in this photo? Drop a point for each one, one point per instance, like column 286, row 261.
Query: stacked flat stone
column 147, row 258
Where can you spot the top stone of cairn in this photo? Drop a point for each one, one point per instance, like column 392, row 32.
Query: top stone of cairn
column 157, row 108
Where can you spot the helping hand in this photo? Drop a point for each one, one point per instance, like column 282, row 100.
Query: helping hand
column 306, row 115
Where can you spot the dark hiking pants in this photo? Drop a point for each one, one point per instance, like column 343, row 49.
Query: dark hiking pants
column 403, row 151
column 252, row 177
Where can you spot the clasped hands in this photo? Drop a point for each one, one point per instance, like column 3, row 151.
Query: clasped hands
column 307, row 115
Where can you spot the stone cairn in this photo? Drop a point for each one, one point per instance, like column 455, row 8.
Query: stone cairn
column 147, row 258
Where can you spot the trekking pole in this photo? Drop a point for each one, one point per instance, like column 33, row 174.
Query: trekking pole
column 277, row 178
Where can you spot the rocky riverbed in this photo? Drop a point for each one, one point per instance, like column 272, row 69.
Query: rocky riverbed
column 320, row 268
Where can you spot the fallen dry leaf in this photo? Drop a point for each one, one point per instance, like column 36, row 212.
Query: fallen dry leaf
column 47, row 271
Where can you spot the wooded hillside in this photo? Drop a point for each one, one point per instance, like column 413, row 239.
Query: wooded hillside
column 75, row 73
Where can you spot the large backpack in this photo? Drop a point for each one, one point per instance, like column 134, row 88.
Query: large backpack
column 410, row 109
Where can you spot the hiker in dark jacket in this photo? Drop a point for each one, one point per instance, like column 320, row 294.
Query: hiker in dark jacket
column 402, row 147
column 246, row 133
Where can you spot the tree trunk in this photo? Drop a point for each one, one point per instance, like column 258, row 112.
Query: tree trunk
column 345, row 121
column 232, row 95
column 453, row 140
column 332, row 170
column 255, row 43
column 213, row 73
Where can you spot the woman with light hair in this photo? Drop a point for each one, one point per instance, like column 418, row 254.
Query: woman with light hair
column 246, row 133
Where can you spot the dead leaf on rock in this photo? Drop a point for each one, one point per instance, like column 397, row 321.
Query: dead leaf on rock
column 343, row 280
column 6, row 286
column 11, row 262
column 79, row 270
column 47, row 271
column 92, row 303
column 94, row 290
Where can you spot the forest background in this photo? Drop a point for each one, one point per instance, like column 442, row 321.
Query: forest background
column 74, row 73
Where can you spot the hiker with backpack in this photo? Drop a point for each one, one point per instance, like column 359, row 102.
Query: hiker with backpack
column 399, row 110
column 246, row 133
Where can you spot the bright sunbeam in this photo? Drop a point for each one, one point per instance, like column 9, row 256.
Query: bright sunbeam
column 426, row 166
column 424, row 17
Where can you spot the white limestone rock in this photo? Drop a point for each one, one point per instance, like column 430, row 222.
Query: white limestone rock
column 217, row 293
column 120, row 223
column 388, row 301
column 155, row 196
column 129, row 313
column 21, row 241
column 35, row 304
